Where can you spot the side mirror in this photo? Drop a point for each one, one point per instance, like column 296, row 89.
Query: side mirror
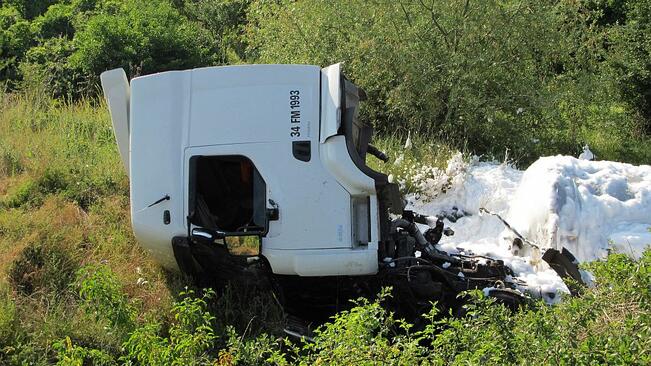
column 206, row 236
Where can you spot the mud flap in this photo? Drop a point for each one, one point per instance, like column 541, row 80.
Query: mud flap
column 566, row 266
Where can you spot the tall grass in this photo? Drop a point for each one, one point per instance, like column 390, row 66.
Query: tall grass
column 65, row 233
column 78, row 290
column 63, row 205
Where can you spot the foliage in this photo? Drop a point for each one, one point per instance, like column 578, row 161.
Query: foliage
column 15, row 40
column 522, row 75
column 72, row 355
column 191, row 336
column 101, row 295
column 534, row 77
column 608, row 324
column 225, row 21
column 142, row 36
column 40, row 268
column 69, row 43
column 29, row 8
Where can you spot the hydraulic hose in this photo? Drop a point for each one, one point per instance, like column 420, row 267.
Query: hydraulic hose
column 412, row 229
column 377, row 153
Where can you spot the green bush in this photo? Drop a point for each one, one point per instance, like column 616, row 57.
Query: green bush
column 142, row 37
column 69, row 43
column 29, row 9
column 190, row 338
column 608, row 324
column 486, row 76
column 56, row 22
column 225, row 20
column 102, row 296
column 629, row 60
column 48, row 64
column 69, row 354
column 15, row 39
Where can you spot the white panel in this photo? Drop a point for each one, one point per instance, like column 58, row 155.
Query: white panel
column 325, row 262
column 330, row 101
column 240, row 104
column 116, row 91
column 337, row 160
column 159, row 115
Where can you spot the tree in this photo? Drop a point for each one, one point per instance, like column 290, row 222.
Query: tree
column 140, row 36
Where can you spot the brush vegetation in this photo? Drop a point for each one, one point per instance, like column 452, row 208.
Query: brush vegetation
column 77, row 289
column 478, row 77
column 534, row 77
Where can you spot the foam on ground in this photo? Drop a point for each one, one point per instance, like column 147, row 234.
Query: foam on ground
column 589, row 207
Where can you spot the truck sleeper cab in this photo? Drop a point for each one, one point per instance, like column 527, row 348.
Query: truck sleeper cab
column 273, row 151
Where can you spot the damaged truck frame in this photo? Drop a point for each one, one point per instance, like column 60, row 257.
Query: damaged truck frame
column 278, row 152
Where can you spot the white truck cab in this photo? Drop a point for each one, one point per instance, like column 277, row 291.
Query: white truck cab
column 274, row 151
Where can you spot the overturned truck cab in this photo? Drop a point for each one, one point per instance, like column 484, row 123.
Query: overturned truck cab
column 268, row 150
column 277, row 152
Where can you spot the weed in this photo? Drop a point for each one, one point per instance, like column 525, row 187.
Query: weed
column 190, row 339
column 10, row 163
column 73, row 355
column 249, row 309
column 102, row 296
column 42, row 268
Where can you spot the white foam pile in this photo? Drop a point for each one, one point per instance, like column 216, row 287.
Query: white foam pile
column 588, row 207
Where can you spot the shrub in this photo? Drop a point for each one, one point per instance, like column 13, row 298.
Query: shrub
column 225, row 21
column 15, row 39
column 48, row 64
column 30, row 8
column 608, row 324
column 260, row 350
column 190, row 341
column 56, row 22
column 368, row 332
column 140, row 36
column 485, row 76
column 73, row 355
column 102, row 296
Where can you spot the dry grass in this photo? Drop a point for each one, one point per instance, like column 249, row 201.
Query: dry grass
column 60, row 170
